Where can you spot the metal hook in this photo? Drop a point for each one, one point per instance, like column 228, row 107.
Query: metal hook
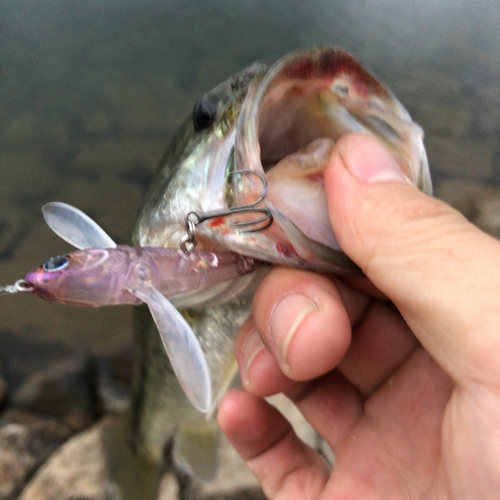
column 193, row 219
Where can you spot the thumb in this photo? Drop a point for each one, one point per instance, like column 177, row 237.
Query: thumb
column 441, row 272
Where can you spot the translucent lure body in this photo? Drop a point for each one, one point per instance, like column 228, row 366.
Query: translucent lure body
column 108, row 276
column 102, row 274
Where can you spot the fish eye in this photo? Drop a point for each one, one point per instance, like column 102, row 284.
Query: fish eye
column 204, row 112
column 56, row 264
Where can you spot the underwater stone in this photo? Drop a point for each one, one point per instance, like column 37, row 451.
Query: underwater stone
column 96, row 465
column 63, row 391
column 25, row 443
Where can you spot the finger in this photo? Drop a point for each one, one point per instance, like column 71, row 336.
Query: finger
column 331, row 405
column 303, row 322
column 439, row 270
column 381, row 343
column 284, row 465
column 260, row 372
column 381, row 340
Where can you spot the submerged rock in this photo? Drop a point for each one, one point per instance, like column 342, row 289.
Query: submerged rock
column 65, row 391
column 96, row 465
column 26, row 442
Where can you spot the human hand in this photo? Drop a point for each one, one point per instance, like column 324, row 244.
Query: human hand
column 402, row 379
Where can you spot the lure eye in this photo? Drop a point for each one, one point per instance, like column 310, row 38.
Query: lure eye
column 56, row 264
column 204, row 112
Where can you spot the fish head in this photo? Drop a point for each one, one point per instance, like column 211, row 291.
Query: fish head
column 186, row 179
column 81, row 278
column 281, row 123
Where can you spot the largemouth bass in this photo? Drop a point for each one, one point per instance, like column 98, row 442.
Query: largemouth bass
column 281, row 123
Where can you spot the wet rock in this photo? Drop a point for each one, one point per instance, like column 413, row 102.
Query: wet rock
column 96, row 465
column 25, row 443
column 113, row 383
column 64, row 391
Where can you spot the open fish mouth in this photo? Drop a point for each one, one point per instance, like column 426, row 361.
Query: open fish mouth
column 326, row 93
column 289, row 122
column 282, row 123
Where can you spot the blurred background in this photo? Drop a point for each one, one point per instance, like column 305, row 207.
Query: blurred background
column 91, row 91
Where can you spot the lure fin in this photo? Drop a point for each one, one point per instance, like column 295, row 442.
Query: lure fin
column 75, row 227
column 183, row 348
column 196, row 449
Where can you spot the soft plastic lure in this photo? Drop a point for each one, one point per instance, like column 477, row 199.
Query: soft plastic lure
column 102, row 273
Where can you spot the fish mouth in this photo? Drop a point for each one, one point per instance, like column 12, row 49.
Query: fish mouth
column 325, row 93
column 289, row 123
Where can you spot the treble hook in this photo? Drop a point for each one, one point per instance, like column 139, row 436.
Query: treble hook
column 193, row 219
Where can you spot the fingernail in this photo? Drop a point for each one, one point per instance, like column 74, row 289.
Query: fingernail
column 286, row 319
column 369, row 161
column 251, row 346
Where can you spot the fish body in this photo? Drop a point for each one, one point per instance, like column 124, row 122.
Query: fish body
column 280, row 122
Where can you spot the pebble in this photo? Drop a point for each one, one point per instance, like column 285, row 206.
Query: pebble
column 96, row 465
column 63, row 391
column 25, row 443
column 113, row 383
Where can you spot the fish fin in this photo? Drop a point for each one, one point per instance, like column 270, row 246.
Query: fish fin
column 75, row 227
column 182, row 346
column 196, row 449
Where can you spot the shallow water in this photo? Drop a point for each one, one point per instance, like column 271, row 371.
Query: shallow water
column 91, row 92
